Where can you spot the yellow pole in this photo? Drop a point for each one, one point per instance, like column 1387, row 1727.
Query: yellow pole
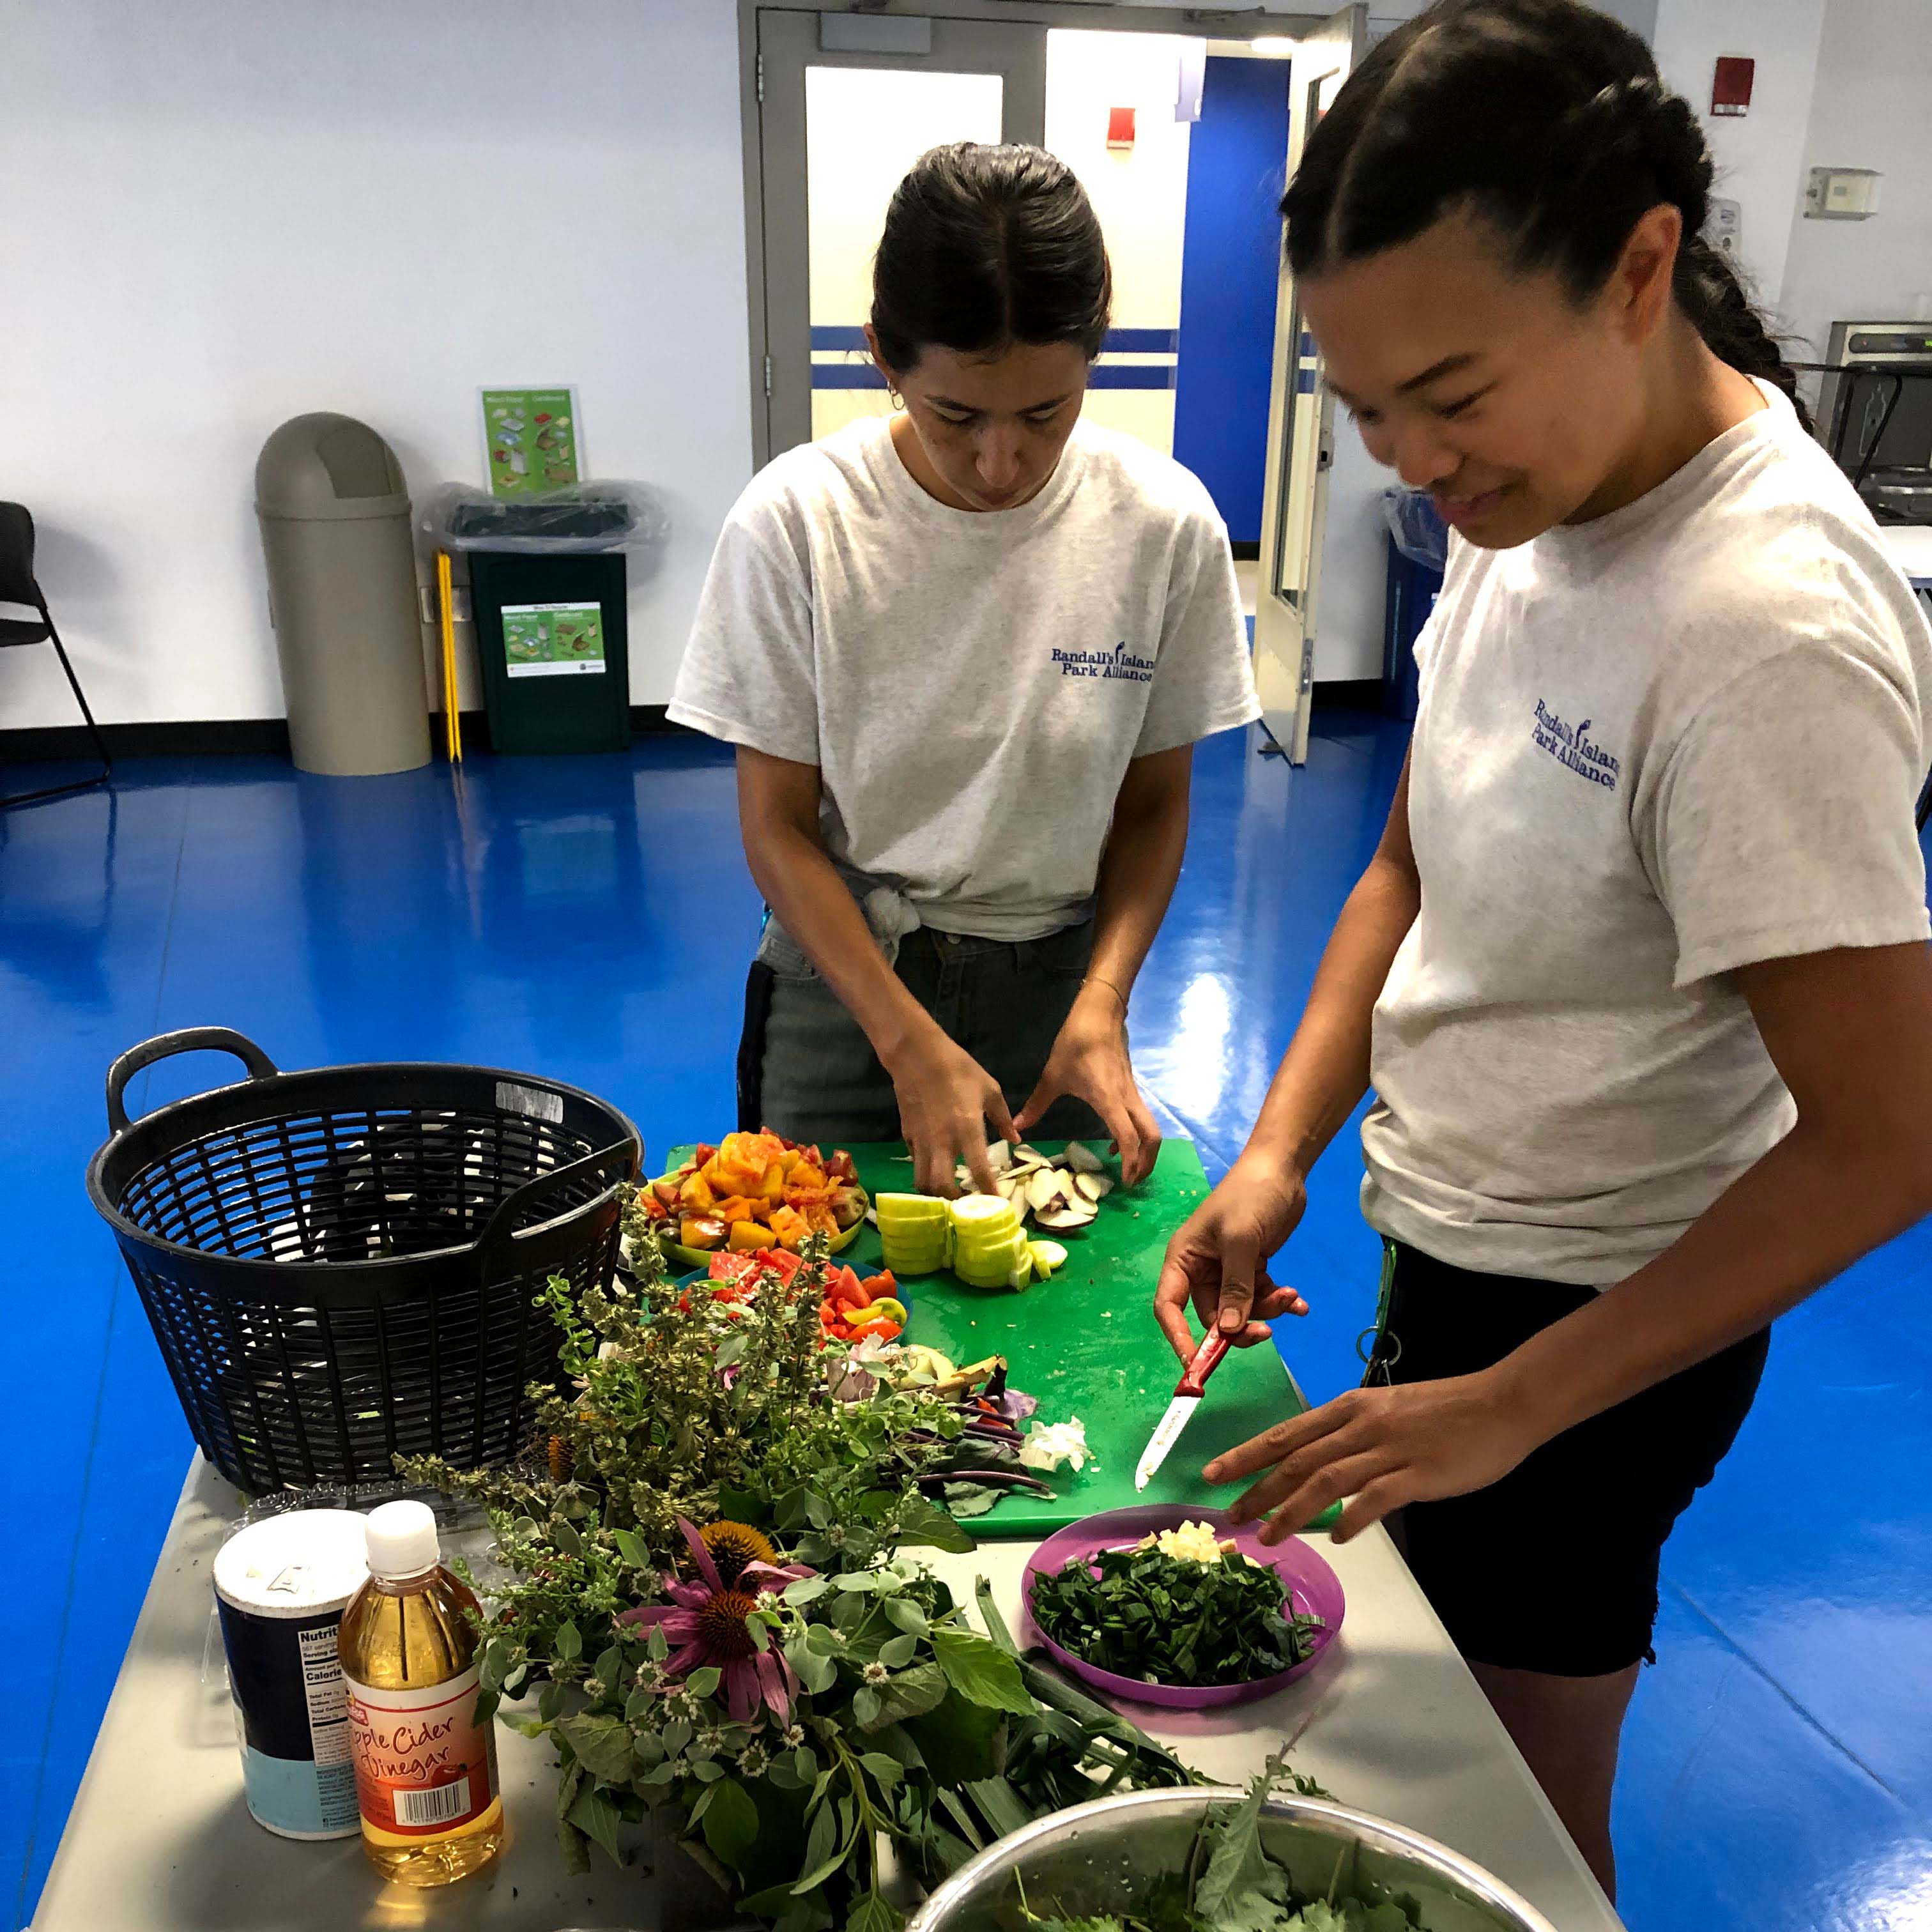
column 452, row 721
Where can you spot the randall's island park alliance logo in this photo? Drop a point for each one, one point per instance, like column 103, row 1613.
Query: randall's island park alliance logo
column 1571, row 744
column 1119, row 662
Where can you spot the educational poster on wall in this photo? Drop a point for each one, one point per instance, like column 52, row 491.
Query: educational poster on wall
column 533, row 440
column 553, row 639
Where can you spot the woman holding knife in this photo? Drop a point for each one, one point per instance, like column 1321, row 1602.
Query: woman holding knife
column 964, row 653
column 1638, row 972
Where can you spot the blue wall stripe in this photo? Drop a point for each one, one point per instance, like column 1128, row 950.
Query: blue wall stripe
column 1131, row 376
column 1119, row 341
column 1105, row 375
column 1143, row 341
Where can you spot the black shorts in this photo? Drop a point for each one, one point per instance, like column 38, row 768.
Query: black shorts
column 1555, row 1567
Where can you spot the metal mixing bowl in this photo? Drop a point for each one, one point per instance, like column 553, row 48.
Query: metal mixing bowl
column 1095, row 1858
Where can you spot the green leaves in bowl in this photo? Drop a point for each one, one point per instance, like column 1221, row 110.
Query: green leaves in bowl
column 1170, row 1620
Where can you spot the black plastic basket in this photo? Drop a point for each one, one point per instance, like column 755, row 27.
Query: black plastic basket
column 341, row 1264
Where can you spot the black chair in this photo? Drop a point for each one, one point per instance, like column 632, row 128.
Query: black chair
column 17, row 586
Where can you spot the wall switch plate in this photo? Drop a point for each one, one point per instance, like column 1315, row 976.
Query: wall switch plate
column 1723, row 227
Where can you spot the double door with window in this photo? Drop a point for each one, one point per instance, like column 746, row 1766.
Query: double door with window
column 846, row 103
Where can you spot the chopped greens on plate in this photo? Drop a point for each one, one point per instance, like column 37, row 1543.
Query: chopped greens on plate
column 1179, row 1610
column 1230, row 1883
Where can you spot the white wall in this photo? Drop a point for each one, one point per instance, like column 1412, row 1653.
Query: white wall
column 218, row 215
column 1871, row 108
column 1139, row 193
column 1760, row 156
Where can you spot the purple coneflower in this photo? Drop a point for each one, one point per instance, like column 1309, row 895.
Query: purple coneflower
column 705, row 1623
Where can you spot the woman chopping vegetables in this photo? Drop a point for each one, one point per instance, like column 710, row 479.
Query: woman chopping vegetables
column 1638, row 972
column 964, row 652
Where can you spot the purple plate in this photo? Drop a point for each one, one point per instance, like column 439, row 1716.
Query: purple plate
column 1311, row 1587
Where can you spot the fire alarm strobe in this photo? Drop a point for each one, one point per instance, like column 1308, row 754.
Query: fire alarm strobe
column 1731, row 84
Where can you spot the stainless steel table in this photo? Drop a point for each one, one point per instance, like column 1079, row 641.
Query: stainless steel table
column 159, row 1839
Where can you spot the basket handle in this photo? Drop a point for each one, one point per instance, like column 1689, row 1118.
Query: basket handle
column 622, row 1158
column 164, row 1046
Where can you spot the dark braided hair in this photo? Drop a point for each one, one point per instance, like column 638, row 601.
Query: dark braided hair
column 1547, row 121
column 985, row 246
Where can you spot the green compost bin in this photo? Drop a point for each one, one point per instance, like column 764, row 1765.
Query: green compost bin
column 550, row 630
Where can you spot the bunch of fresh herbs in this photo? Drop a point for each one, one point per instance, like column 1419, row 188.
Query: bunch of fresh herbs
column 714, row 1610
column 1230, row 1883
column 1170, row 1620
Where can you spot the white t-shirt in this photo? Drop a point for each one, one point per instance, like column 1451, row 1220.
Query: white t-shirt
column 1680, row 739
column 971, row 685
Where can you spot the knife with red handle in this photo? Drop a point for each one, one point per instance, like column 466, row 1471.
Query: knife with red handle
column 1187, row 1394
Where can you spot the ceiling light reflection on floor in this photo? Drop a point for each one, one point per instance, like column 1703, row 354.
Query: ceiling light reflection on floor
column 1197, row 1055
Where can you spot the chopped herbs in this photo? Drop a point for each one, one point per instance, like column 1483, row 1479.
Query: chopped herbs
column 1162, row 1619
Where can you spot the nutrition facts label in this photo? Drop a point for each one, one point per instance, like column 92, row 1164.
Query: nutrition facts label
column 327, row 1702
column 328, row 1724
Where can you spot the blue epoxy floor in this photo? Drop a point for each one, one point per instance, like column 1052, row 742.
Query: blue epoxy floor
column 589, row 919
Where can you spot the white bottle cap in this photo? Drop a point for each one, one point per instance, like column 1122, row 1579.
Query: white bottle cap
column 403, row 1540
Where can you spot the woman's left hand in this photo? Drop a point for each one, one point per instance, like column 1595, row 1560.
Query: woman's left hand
column 1383, row 1447
column 1090, row 1061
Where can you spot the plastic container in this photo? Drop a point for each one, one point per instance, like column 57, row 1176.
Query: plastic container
column 431, row 1803
column 1418, row 551
column 1307, row 1583
column 340, row 1265
column 280, row 1587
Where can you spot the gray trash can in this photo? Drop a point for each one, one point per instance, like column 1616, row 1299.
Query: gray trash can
column 342, row 596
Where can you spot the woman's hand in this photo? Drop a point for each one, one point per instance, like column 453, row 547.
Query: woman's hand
column 1215, row 1260
column 946, row 1100
column 1090, row 1061
column 1385, row 1447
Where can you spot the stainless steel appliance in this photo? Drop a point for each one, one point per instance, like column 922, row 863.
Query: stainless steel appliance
column 1875, row 413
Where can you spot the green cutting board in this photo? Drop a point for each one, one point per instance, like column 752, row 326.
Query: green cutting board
column 1085, row 1343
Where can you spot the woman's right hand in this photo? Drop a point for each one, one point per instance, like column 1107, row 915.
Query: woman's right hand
column 1216, row 1260
column 946, row 1100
